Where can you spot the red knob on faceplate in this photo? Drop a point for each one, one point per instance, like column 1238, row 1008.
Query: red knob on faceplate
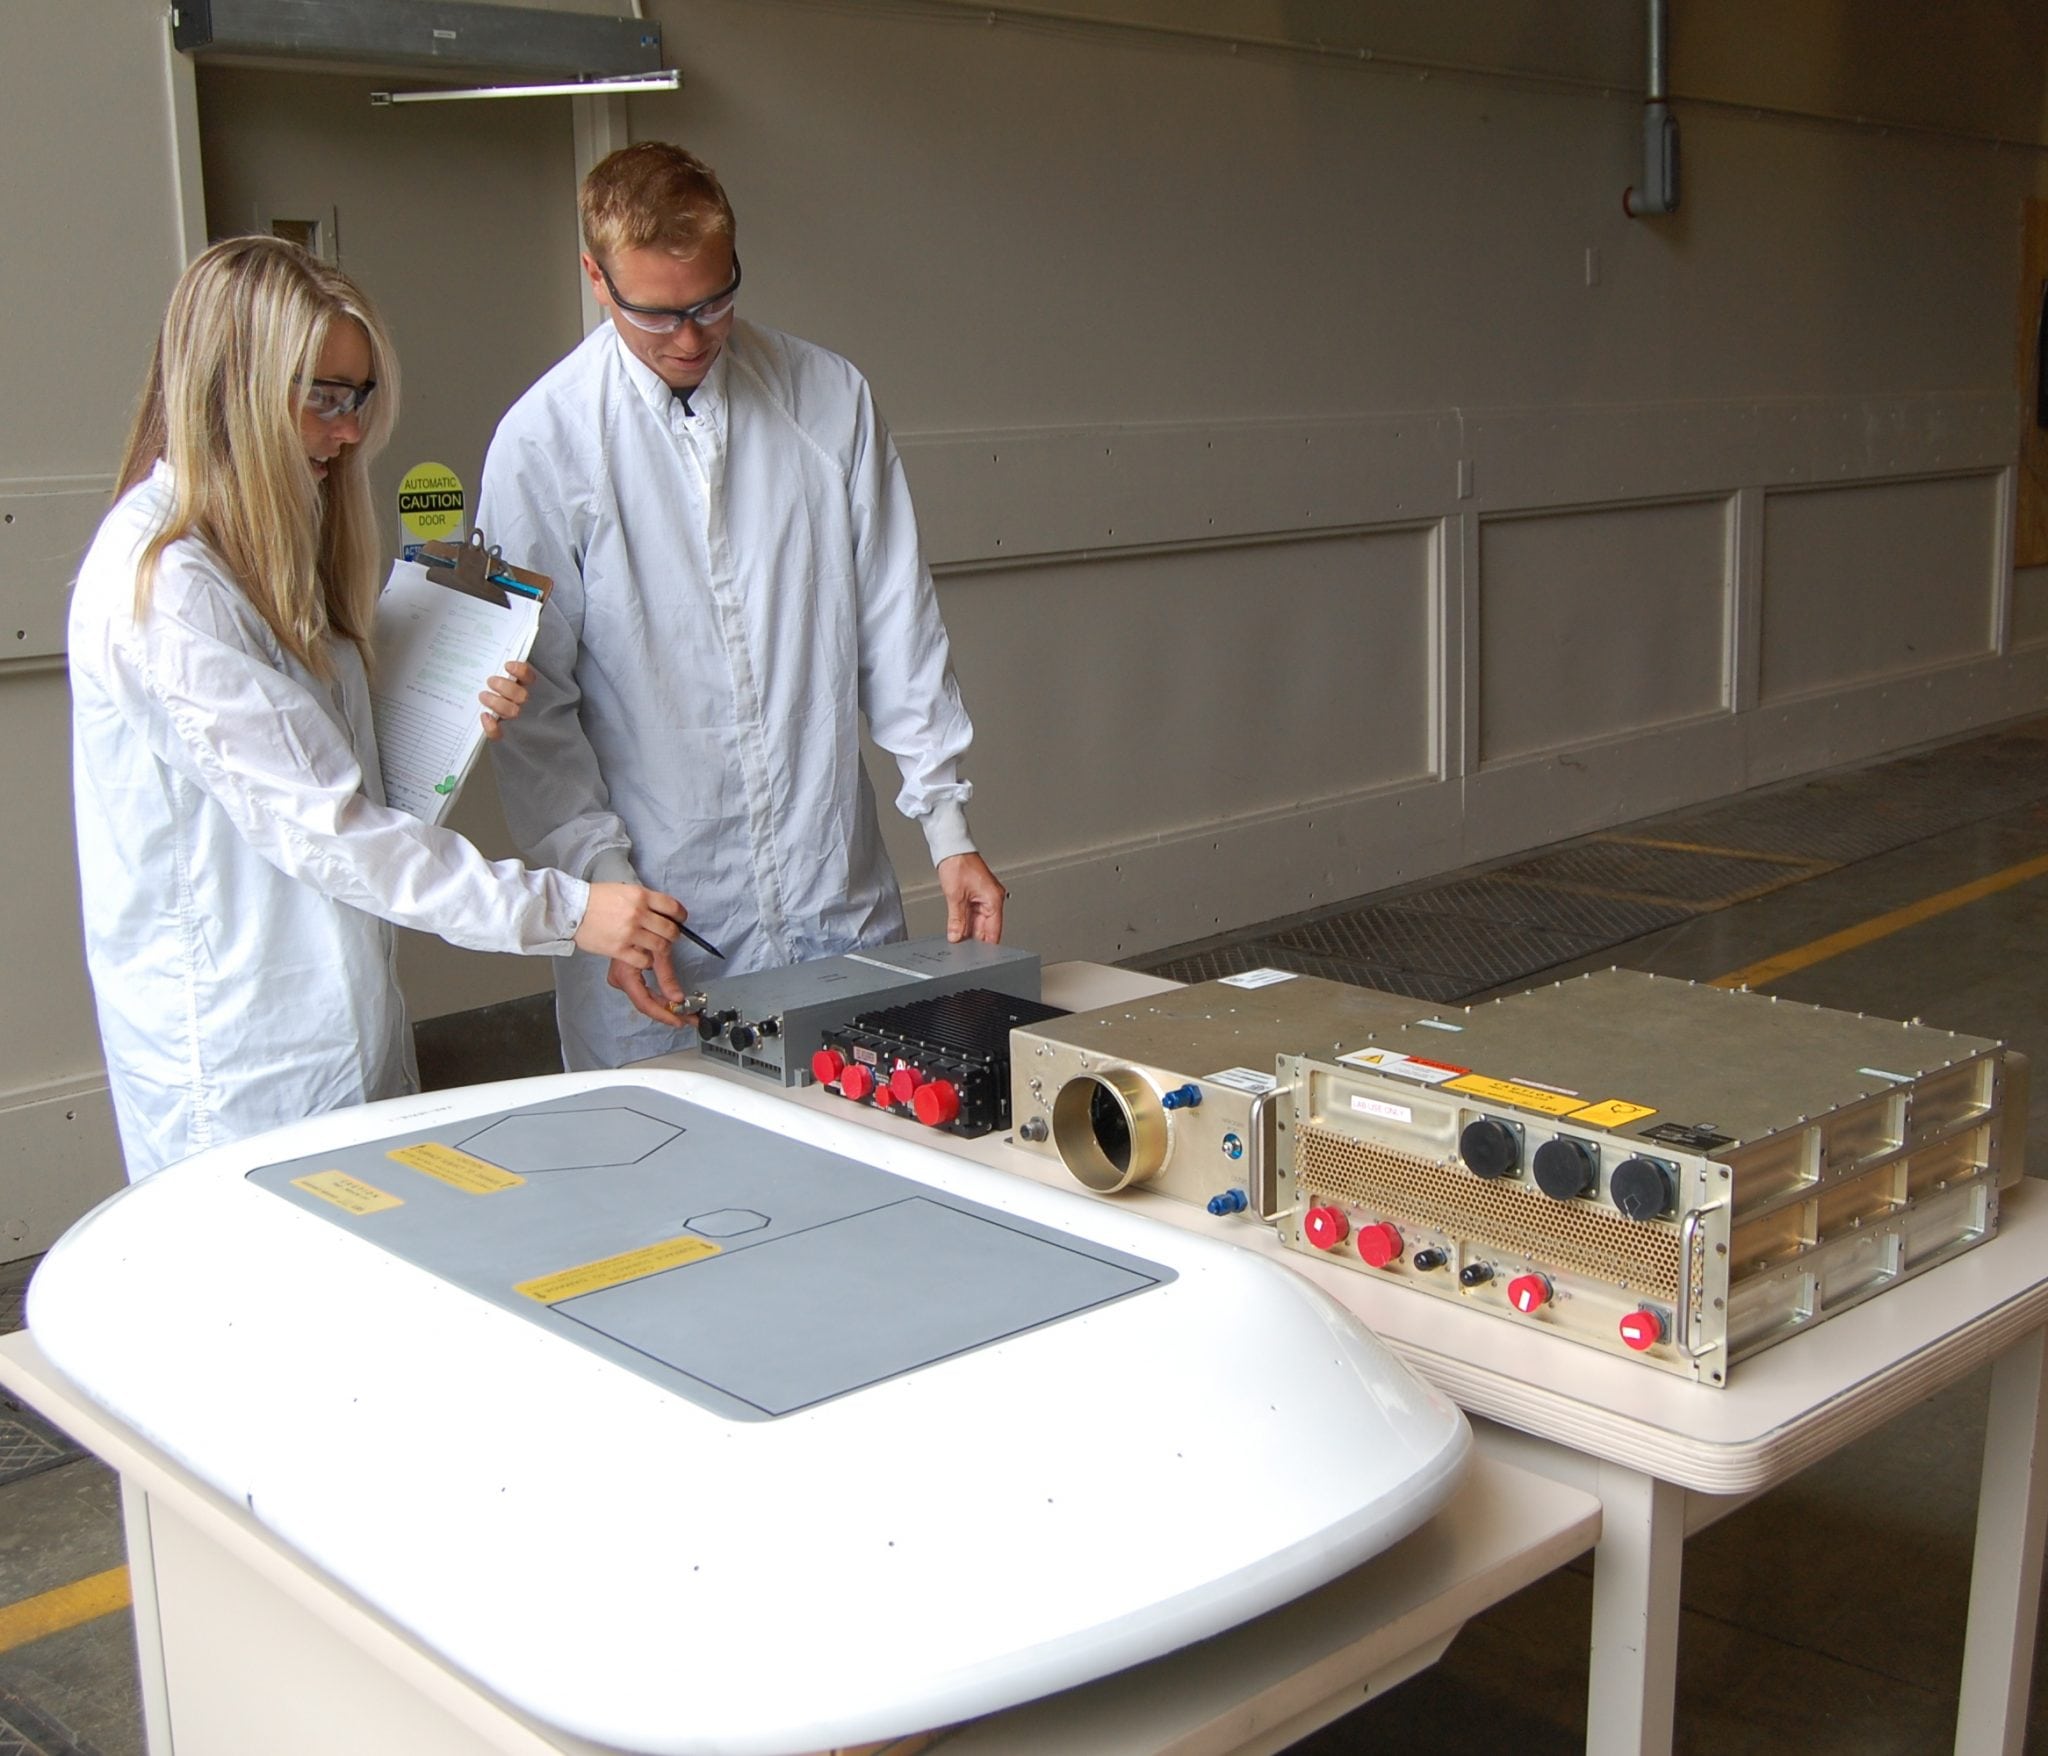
column 856, row 1082
column 1642, row 1330
column 1528, row 1292
column 1379, row 1244
column 936, row 1104
column 827, row 1065
column 1325, row 1227
column 903, row 1082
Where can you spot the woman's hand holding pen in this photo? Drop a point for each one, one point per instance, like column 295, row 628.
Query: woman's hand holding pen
column 634, row 927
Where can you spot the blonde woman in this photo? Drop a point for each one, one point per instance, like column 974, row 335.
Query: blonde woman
column 240, row 868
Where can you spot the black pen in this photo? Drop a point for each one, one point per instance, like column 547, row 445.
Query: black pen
column 696, row 938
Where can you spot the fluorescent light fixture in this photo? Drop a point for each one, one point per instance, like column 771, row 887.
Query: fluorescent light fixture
column 668, row 79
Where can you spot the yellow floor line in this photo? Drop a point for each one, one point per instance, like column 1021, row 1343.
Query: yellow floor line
column 1772, row 969
column 51, row 1612
column 1805, row 862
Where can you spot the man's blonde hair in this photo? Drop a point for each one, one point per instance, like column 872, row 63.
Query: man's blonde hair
column 233, row 363
column 655, row 194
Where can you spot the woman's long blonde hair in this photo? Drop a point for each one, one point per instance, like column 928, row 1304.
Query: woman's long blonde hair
column 237, row 351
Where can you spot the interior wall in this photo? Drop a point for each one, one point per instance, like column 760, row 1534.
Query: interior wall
column 94, row 116
column 1328, row 484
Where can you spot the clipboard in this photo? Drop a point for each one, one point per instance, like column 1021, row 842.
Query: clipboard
column 481, row 570
column 447, row 621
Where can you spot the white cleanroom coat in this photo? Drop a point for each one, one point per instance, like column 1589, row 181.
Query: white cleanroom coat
column 734, row 588
column 238, row 864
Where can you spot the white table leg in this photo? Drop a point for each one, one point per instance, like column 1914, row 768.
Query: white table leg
column 2005, row 1577
column 1636, row 1565
column 149, row 1633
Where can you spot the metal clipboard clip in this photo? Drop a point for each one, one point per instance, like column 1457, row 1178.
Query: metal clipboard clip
column 482, row 572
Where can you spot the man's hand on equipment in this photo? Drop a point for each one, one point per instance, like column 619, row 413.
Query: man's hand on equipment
column 974, row 899
column 635, row 927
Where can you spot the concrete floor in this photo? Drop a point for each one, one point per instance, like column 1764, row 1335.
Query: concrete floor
column 1825, row 1618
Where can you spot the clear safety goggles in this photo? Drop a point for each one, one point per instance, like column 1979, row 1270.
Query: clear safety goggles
column 666, row 319
column 328, row 399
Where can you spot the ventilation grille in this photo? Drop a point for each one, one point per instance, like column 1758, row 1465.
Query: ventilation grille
column 1503, row 1215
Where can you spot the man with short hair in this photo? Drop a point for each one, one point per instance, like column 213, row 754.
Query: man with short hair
column 737, row 584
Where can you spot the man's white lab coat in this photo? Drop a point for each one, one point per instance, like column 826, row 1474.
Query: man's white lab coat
column 238, row 864
column 734, row 589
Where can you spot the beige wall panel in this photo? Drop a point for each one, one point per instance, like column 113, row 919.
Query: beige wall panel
column 1871, row 581
column 91, row 205
column 1597, row 624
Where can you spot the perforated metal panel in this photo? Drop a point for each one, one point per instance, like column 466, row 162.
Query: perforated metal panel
column 1508, row 1216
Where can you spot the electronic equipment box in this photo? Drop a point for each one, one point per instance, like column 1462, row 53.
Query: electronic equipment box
column 772, row 1021
column 1676, row 1174
column 1172, row 1091
column 944, row 1060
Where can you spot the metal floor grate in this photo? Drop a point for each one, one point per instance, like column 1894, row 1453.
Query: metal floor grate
column 26, row 1732
column 1477, row 932
column 29, row 1445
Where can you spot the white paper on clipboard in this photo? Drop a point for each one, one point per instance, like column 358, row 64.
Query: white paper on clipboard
column 436, row 649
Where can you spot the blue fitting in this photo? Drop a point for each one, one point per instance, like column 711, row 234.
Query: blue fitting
column 1230, row 1201
column 1233, row 1147
column 1182, row 1097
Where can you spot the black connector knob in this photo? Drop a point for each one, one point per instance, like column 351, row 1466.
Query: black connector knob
column 1641, row 1188
column 1565, row 1168
column 1475, row 1274
column 743, row 1036
column 1428, row 1259
column 1490, row 1148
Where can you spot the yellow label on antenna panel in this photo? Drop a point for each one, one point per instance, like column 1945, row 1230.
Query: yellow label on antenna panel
column 347, row 1193
column 613, row 1271
column 473, row 1176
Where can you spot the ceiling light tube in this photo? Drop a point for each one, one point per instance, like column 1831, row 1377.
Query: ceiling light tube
column 669, row 79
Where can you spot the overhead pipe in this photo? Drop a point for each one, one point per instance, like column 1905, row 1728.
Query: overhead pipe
column 1658, row 192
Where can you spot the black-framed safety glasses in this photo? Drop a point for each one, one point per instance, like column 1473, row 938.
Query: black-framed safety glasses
column 666, row 320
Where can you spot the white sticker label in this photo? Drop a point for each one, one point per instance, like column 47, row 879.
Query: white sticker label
column 1257, row 978
column 1402, row 1066
column 1366, row 1106
column 1880, row 1073
column 1439, row 1024
column 1243, row 1079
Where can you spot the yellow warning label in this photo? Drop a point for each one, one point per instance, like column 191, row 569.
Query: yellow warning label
column 1612, row 1114
column 457, row 1169
column 1505, row 1091
column 346, row 1192
column 430, row 503
column 614, row 1271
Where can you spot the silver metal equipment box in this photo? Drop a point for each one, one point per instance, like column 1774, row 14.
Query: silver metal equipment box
column 772, row 1021
column 1674, row 1173
column 1173, row 1091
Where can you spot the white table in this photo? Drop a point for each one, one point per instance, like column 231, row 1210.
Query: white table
column 248, row 1650
column 1667, row 1457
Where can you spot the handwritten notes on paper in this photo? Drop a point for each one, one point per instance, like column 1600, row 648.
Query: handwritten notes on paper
column 437, row 648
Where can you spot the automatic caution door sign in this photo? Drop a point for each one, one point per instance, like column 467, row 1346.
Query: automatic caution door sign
column 430, row 507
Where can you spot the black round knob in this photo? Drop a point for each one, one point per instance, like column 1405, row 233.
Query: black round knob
column 1565, row 1168
column 1475, row 1274
column 1490, row 1148
column 1428, row 1259
column 715, row 1022
column 1641, row 1188
column 743, row 1036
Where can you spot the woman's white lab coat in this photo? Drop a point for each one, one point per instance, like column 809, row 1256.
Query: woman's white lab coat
column 238, row 865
